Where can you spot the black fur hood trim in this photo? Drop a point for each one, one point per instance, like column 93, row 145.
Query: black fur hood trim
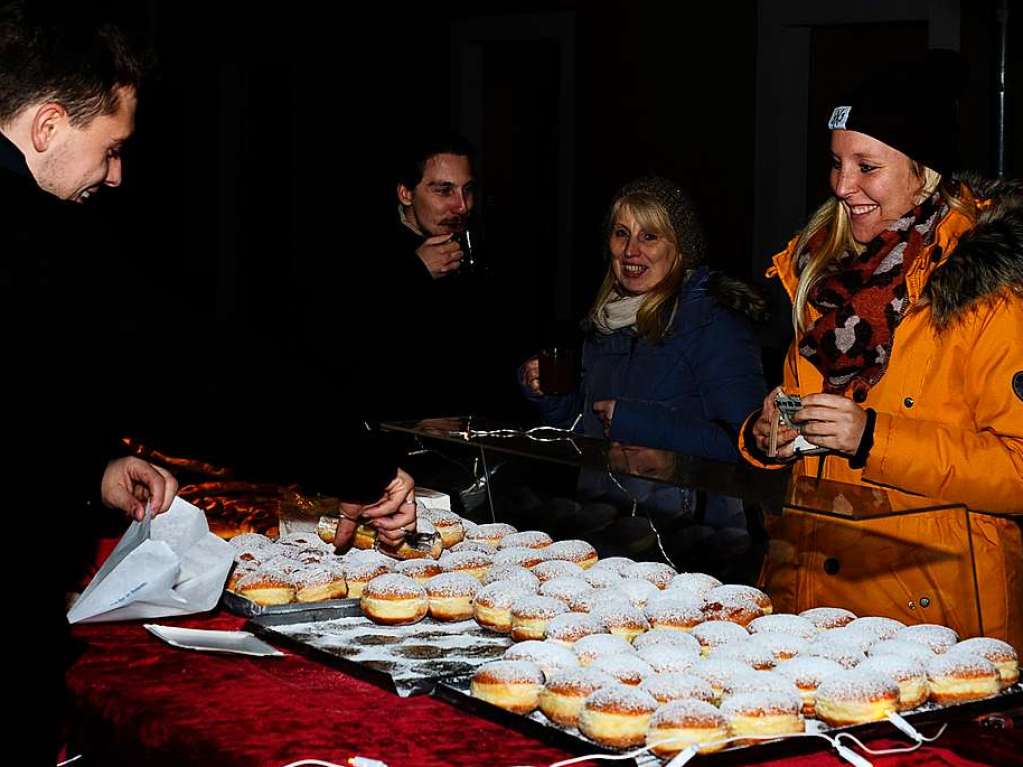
column 987, row 260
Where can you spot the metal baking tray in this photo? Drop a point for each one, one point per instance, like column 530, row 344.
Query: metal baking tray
column 456, row 692
column 246, row 607
column 407, row 660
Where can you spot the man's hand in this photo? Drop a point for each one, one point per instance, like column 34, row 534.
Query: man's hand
column 128, row 483
column 441, row 254
column 392, row 516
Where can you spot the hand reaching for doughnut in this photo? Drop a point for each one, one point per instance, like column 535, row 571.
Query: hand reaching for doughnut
column 129, row 483
column 392, row 516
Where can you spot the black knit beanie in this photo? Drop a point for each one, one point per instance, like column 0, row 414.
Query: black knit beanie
column 912, row 107
column 679, row 207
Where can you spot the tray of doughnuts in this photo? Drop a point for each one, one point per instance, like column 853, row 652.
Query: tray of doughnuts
column 611, row 654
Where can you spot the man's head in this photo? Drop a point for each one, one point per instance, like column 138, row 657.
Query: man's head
column 68, row 94
column 436, row 185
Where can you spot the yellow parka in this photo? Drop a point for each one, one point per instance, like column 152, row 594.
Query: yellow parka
column 949, row 426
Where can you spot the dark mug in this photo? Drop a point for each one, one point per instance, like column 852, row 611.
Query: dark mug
column 465, row 242
column 559, row 370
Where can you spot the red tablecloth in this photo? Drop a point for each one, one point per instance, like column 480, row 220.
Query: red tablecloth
column 137, row 700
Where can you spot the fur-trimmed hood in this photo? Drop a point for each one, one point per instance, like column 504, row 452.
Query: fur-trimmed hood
column 738, row 296
column 987, row 260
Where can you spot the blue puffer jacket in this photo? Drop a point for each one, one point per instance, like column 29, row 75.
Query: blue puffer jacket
column 689, row 393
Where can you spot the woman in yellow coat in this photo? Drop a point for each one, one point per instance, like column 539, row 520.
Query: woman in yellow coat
column 907, row 291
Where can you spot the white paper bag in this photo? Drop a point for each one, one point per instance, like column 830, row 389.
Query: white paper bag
column 170, row 565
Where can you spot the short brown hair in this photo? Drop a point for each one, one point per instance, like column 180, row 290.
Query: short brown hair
column 78, row 64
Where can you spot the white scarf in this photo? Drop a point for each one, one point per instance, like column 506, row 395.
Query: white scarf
column 617, row 312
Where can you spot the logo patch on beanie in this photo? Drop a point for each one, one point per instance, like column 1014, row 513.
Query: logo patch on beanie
column 839, row 116
column 1017, row 384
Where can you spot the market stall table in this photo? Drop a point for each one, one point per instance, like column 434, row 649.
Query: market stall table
column 137, row 700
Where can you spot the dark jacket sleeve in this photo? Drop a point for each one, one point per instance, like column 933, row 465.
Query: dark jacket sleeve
column 556, row 410
column 725, row 358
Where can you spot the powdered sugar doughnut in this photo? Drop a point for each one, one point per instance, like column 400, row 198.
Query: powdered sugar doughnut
column 745, row 651
column 615, row 564
column 855, row 696
column 360, row 571
column 451, row 596
column 683, row 723
column 638, row 590
column 711, row 634
column 518, row 555
column 781, row 646
column 531, row 613
column 737, row 604
column 828, row 617
column 563, row 696
column 622, row 620
column 843, row 653
column 784, row 623
column 909, row 674
column 480, row 546
column 250, row 541
column 588, row 601
column 580, row 552
column 678, row 686
column 492, row 605
column 698, row 583
column 565, row 588
column 669, row 637
column 627, row 668
column 679, row 610
column 617, row 716
column 998, row 652
column 556, row 568
column 394, row 600
column 858, row 637
column 589, row 648
column 267, row 586
column 446, row 523
column 569, row 628
column 757, row 681
column 513, row 685
column 669, row 659
column 962, row 676
column 601, row 579
column 718, row 672
column 511, row 574
column 419, row 570
column 939, row 638
column 550, row 657
column 763, row 713
column 902, row 648
column 530, row 539
column 807, row 673
column 491, row 532
column 657, row 573
column 882, row 628
column 474, row 563
column 317, row 583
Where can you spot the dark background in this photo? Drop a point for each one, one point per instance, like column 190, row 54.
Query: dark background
column 265, row 137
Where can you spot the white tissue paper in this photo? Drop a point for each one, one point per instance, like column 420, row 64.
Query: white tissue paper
column 170, row 565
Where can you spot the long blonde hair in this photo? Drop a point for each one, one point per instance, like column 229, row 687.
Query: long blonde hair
column 657, row 308
column 833, row 216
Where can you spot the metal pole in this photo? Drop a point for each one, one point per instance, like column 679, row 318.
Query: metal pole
column 1002, row 14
